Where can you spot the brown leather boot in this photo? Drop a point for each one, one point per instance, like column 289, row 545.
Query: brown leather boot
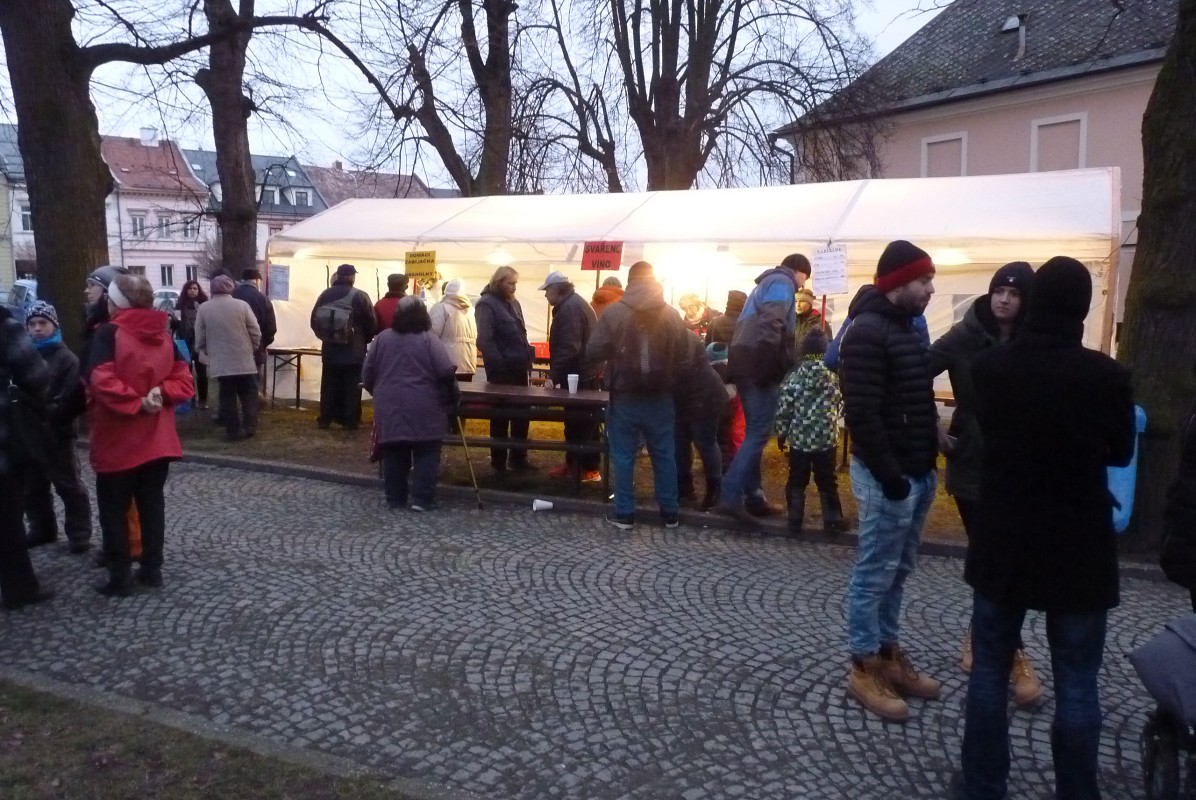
column 1027, row 688
column 867, row 684
column 903, row 677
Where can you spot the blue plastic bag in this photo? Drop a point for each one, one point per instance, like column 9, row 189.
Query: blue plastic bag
column 184, row 353
column 1123, row 479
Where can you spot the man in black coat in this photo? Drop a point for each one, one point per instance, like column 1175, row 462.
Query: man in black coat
column 249, row 290
column 340, row 381
column 507, row 358
column 1054, row 417
column 888, row 401
column 573, row 321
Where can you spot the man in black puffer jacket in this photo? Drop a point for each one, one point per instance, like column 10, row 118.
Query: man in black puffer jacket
column 889, row 406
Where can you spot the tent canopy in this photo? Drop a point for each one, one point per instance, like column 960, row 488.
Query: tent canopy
column 709, row 241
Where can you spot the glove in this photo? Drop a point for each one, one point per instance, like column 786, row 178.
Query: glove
column 895, row 489
column 781, row 443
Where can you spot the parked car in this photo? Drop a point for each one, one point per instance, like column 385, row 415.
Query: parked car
column 23, row 293
column 166, row 294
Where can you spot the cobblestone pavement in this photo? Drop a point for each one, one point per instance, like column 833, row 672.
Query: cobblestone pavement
column 514, row 654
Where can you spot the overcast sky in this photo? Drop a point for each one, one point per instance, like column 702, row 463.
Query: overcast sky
column 886, row 22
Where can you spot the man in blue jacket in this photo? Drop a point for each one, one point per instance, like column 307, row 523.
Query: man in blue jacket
column 762, row 352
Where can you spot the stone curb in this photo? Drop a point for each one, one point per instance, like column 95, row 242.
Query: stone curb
column 206, row 729
column 699, row 519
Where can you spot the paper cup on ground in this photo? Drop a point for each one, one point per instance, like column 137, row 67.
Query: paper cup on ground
column 573, row 381
column 541, row 505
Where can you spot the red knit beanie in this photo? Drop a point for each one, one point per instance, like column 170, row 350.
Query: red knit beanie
column 901, row 263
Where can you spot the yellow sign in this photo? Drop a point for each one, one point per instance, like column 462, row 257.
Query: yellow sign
column 420, row 264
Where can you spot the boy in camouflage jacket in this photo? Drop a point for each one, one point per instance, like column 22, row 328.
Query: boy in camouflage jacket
column 807, row 423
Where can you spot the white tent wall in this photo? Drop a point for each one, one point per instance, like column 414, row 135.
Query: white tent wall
column 711, row 241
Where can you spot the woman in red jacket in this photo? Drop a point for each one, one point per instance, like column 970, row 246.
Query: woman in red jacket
column 136, row 377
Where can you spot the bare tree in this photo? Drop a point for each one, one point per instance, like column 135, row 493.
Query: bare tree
column 706, row 83
column 1159, row 336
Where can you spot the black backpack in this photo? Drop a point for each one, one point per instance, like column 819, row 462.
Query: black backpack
column 333, row 322
column 644, row 361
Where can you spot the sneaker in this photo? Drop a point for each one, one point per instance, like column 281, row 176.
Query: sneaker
column 623, row 522
column 417, row 507
column 867, row 684
column 559, row 472
column 1027, row 688
column 591, row 476
column 79, row 548
column 899, row 671
column 965, row 656
column 670, row 520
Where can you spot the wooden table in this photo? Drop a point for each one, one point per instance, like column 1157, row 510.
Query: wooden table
column 536, row 404
column 283, row 357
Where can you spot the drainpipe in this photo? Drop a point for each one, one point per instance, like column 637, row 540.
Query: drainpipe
column 773, row 143
column 120, row 230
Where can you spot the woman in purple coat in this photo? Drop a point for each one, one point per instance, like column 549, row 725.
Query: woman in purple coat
column 404, row 371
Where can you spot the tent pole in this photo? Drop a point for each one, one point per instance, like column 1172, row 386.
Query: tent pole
column 597, row 279
column 822, row 313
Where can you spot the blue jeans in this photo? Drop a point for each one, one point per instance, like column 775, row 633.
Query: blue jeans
column 742, row 481
column 651, row 417
column 409, row 472
column 887, row 550
column 703, row 434
column 1077, row 647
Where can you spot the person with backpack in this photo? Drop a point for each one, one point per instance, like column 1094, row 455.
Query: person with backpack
column 344, row 321
column 61, row 468
column 642, row 341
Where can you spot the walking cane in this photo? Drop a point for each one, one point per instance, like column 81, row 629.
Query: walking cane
column 469, row 463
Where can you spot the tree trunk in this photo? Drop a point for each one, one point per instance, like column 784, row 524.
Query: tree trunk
column 1159, row 336
column 223, row 84
column 58, row 134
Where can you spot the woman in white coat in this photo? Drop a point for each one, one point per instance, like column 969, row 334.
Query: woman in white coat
column 454, row 325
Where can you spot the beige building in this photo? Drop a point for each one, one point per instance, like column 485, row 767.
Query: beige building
column 994, row 86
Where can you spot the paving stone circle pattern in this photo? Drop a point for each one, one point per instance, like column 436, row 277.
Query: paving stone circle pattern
column 512, row 654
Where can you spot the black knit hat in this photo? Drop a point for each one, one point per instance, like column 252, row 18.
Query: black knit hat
column 901, row 263
column 814, row 342
column 1062, row 290
column 796, row 262
column 640, row 271
column 735, row 301
column 1017, row 274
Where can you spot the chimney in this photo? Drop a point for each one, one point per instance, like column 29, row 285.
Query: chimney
column 149, row 137
column 338, row 166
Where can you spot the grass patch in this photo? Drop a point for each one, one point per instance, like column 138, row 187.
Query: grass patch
column 55, row 748
column 290, row 435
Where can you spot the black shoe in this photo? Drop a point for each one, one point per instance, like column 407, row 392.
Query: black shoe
column 497, row 467
column 351, row 426
column 323, row 424
column 250, row 432
column 670, row 520
column 148, row 576
column 115, row 588
column 42, row 596
column 623, row 522
column 101, row 560
column 40, row 540
column 79, row 548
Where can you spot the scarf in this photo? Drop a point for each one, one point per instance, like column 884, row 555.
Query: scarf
column 42, row 344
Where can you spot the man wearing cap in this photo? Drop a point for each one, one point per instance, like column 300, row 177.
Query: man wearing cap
column 809, row 318
column 340, row 381
column 889, row 406
column 249, row 290
column 761, row 353
column 722, row 327
column 572, row 323
column 1054, row 416
column 396, row 290
column 95, row 292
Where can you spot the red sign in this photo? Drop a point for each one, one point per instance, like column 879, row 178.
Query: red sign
column 602, row 255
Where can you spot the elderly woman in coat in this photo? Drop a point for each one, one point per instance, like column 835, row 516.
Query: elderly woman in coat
column 405, row 370
column 453, row 324
column 227, row 336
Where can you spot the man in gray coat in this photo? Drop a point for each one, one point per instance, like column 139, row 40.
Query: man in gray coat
column 573, row 321
column 227, row 337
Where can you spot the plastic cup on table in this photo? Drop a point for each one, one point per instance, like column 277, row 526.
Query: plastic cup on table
column 573, row 381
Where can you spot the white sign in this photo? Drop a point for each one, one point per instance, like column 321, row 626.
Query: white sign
column 280, row 282
column 829, row 268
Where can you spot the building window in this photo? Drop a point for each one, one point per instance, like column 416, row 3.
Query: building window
column 270, row 195
column 192, row 272
column 137, row 271
column 167, row 274
column 190, row 228
column 945, row 156
column 26, row 218
column 1059, row 143
column 302, row 197
column 164, row 224
column 137, row 225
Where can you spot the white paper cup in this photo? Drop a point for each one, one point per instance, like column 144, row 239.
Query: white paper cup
column 541, row 505
column 573, row 381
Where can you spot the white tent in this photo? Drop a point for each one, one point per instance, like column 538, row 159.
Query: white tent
column 709, row 241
